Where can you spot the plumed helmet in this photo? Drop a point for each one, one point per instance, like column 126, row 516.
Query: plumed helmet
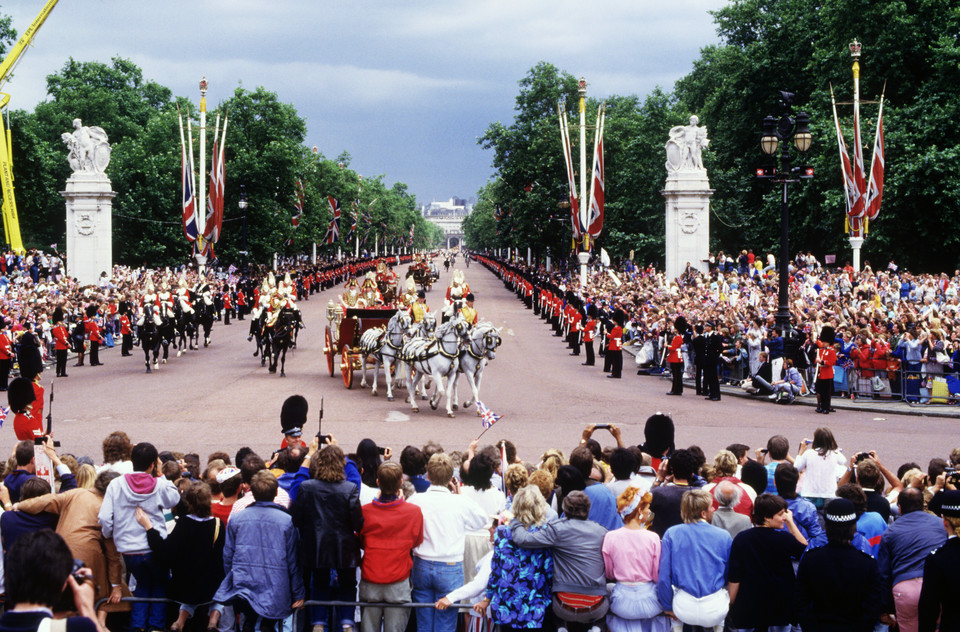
column 29, row 358
column 293, row 414
column 20, row 394
column 411, row 284
column 150, row 288
column 828, row 335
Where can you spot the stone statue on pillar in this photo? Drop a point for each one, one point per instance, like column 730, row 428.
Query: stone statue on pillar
column 89, row 198
column 687, row 194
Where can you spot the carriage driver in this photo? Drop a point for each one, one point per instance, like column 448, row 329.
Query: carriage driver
column 469, row 312
column 419, row 309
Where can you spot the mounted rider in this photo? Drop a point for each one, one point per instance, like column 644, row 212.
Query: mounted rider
column 183, row 297
column 149, row 295
column 469, row 312
column 409, row 297
column 165, row 300
column 419, row 309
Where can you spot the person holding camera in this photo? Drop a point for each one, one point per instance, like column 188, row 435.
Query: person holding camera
column 39, row 572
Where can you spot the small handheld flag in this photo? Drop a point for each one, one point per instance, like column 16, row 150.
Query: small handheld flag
column 487, row 416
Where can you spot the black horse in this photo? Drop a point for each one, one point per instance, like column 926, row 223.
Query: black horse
column 281, row 338
column 259, row 332
column 149, row 335
column 186, row 329
column 204, row 320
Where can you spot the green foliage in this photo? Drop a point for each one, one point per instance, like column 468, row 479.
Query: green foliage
column 766, row 46
column 264, row 153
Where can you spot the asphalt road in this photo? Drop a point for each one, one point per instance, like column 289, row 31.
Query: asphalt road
column 219, row 398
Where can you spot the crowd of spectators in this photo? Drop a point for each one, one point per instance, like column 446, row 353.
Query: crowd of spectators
column 621, row 536
column 898, row 332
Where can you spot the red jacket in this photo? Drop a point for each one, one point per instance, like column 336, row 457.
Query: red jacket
column 125, row 325
column 675, row 345
column 615, row 339
column 6, row 352
column 61, row 338
column 27, row 426
column 92, row 328
column 390, row 531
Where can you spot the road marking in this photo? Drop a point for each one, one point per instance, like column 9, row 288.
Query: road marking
column 879, row 418
column 396, row 415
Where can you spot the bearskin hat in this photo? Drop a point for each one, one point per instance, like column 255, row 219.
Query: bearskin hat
column 592, row 311
column 91, row 310
column 293, row 414
column 29, row 358
column 681, row 324
column 828, row 335
column 20, row 394
column 57, row 315
column 658, row 435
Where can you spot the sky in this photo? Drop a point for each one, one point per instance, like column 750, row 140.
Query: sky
column 405, row 86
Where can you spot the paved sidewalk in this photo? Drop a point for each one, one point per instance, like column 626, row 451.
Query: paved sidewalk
column 878, row 407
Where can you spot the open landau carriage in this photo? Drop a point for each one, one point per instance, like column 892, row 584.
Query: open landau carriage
column 346, row 324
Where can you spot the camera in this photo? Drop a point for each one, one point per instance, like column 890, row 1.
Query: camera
column 77, row 566
column 862, row 456
column 324, row 438
column 382, row 450
column 602, row 427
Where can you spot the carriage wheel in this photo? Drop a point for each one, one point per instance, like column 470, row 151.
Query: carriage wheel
column 328, row 342
column 346, row 367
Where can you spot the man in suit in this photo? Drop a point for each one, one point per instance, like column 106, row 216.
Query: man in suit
column 713, row 348
column 937, row 595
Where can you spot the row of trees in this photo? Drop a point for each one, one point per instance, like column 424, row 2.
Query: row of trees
column 766, row 46
column 265, row 153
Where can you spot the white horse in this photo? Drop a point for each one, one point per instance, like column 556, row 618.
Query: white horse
column 384, row 345
column 438, row 357
column 480, row 347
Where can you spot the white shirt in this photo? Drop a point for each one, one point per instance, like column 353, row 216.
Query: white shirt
column 820, row 472
column 446, row 519
column 491, row 501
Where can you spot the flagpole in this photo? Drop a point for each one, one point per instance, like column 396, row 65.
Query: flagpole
column 856, row 227
column 202, row 188
column 584, row 255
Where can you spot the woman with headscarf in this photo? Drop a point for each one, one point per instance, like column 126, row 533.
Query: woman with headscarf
column 631, row 557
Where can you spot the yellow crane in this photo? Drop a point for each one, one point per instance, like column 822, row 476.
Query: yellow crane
column 11, row 223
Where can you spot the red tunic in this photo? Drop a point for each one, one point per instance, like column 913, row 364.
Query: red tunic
column 675, row 345
column 615, row 339
column 29, row 425
column 61, row 338
column 5, row 347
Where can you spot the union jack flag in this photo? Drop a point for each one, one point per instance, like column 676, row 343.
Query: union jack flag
column 487, row 416
column 298, row 204
column 211, row 231
column 189, row 200
column 333, row 231
column 4, row 411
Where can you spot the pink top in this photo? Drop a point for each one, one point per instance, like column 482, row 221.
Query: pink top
column 632, row 555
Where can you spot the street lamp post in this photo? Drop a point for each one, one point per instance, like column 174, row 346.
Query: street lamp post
column 787, row 128
column 243, row 210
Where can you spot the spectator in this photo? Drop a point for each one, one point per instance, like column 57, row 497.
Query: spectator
column 623, row 466
column 295, row 463
column 603, row 504
column 37, row 570
column 477, row 488
column 631, row 557
column 673, row 481
column 438, row 561
column 804, row 512
column 823, row 463
column 726, row 496
column 230, row 480
column 870, row 474
column 937, row 598
column 76, row 512
column 724, row 469
column 262, row 576
column 392, row 528
column 193, row 552
column 778, row 449
column 518, row 591
column 328, row 517
column 116, row 453
column 117, row 520
column 838, row 587
column 14, row 524
column 693, row 565
column 869, row 524
column 414, row 465
column 900, row 560
column 27, row 468
column 579, row 590
column 761, row 578
column 250, row 465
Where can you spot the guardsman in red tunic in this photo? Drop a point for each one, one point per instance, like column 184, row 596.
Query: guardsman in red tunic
column 241, row 303
column 92, row 328
column 227, row 306
column 674, row 358
column 576, row 327
column 614, row 357
column 26, row 395
column 126, row 334
column 826, row 360
column 61, row 340
column 6, row 355
column 589, row 331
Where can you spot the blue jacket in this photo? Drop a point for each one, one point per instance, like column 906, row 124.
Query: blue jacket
column 261, row 561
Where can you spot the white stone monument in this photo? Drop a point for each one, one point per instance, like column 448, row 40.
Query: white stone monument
column 687, row 194
column 89, row 197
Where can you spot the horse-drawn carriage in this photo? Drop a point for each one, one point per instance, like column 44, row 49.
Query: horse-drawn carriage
column 348, row 325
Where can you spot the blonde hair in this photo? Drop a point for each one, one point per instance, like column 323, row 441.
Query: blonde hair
column 693, row 504
column 544, row 480
column 551, row 461
column 725, row 463
column 86, row 476
column 439, row 469
column 529, row 507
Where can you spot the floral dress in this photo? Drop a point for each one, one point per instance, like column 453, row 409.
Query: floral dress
column 520, row 580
